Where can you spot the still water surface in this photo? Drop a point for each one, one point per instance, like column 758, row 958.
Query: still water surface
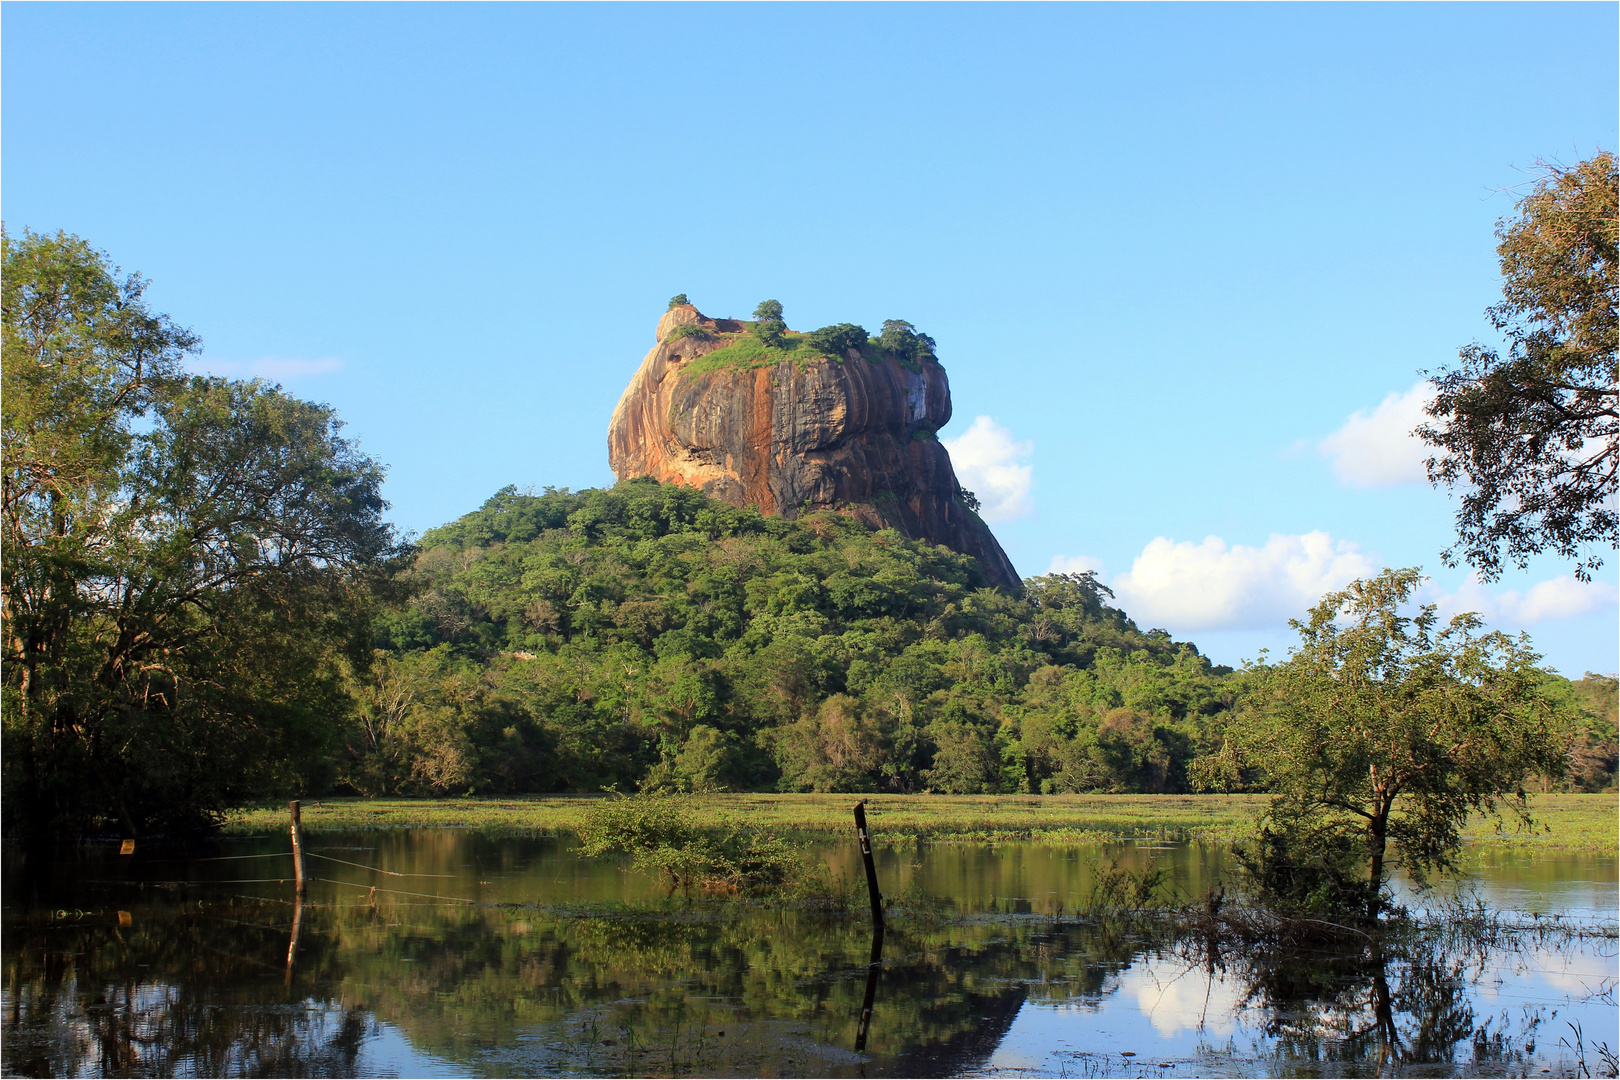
column 478, row 956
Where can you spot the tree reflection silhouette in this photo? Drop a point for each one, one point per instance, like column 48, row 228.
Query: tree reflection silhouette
column 205, row 982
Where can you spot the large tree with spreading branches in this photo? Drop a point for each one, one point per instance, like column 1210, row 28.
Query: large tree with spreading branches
column 1528, row 437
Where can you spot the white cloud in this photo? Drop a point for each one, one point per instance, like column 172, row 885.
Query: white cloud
column 1556, row 598
column 986, row 458
column 1379, row 449
column 1211, row 586
column 270, row 367
column 1175, row 999
column 1186, row 586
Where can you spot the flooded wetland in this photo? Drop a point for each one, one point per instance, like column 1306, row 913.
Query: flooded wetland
column 452, row 952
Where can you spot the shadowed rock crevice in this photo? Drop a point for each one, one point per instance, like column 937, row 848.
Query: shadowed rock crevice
column 854, row 435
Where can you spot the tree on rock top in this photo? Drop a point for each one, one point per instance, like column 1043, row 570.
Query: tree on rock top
column 768, row 324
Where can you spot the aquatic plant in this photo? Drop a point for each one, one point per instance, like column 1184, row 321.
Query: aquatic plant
column 726, row 858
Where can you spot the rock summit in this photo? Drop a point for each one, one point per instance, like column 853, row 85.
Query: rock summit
column 851, row 433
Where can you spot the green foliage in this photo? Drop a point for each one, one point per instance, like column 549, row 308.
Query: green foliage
column 730, row 858
column 690, row 330
column 836, row 340
column 188, row 568
column 1530, row 441
column 648, row 636
column 747, row 351
column 768, row 326
column 1593, row 705
column 1386, row 727
column 1302, row 865
column 677, row 300
column 769, row 342
column 703, row 763
column 901, row 340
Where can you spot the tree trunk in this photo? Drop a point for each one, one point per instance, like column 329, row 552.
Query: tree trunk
column 1376, row 832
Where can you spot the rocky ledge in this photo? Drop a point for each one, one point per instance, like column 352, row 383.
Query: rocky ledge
column 854, row 434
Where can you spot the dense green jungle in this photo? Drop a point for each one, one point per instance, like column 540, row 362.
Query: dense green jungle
column 647, row 636
column 206, row 609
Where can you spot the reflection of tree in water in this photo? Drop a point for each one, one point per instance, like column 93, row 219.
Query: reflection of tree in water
column 198, row 987
column 1401, row 1003
column 190, row 990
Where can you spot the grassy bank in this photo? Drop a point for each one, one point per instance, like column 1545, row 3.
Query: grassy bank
column 1573, row 822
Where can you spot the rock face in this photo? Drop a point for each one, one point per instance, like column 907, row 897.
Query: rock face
column 855, row 436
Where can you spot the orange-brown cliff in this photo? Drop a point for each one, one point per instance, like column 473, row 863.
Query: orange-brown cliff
column 855, row 435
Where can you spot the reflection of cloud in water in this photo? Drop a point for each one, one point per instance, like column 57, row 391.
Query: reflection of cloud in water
column 389, row 1053
column 1580, row 972
column 1175, row 999
column 1156, row 1008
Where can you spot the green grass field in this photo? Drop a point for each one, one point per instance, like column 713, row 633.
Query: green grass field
column 1564, row 822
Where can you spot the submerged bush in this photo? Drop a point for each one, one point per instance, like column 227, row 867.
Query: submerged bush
column 1296, row 866
column 728, row 858
column 1131, row 890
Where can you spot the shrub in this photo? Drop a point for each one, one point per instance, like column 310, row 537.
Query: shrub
column 1296, row 866
column 836, row 340
column 768, row 325
column 729, row 858
column 689, row 330
column 901, row 340
column 1116, row 888
column 677, row 300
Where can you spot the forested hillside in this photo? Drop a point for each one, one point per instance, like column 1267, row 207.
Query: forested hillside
column 648, row 634
column 205, row 607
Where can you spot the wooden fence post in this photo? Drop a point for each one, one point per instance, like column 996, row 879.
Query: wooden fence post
column 871, row 870
column 301, row 885
column 874, row 968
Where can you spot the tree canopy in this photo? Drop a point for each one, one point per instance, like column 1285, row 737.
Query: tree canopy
column 1389, row 728
column 768, row 326
column 901, row 339
column 185, row 561
column 570, row 640
column 838, row 339
column 204, row 607
column 1528, row 440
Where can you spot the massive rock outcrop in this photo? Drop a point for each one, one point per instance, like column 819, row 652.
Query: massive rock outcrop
column 856, row 436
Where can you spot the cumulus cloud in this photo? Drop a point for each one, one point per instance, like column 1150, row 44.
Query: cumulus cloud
column 1210, row 586
column 271, row 367
column 1378, row 449
column 987, row 461
column 1556, row 598
column 1185, row 586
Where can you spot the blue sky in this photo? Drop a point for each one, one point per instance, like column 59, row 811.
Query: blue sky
column 1168, row 251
